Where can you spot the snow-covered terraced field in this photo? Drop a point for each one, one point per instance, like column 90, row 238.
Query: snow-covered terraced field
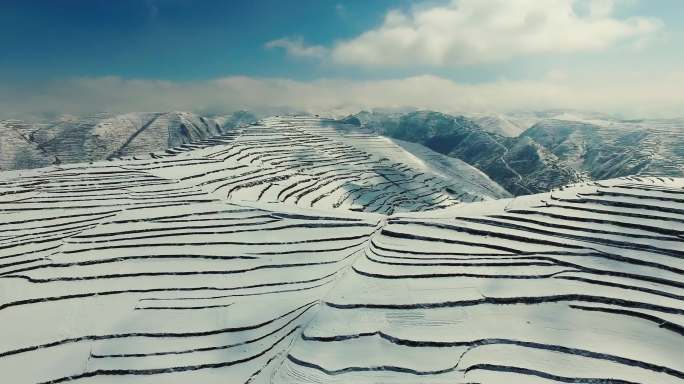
column 319, row 163
column 299, row 250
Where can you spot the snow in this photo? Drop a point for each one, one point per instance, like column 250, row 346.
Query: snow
column 71, row 139
column 302, row 250
column 500, row 124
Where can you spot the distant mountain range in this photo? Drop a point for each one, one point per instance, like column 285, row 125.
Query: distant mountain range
column 70, row 139
column 556, row 148
column 523, row 152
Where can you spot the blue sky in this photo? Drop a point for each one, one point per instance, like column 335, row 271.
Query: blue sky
column 79, row 56
column 172, row 39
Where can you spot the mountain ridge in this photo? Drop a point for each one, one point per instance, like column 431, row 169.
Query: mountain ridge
column 72, row 139
column 558, row 148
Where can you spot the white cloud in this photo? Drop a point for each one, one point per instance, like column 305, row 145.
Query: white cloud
column 636, row 94
column 466, row 32
column 295, row 47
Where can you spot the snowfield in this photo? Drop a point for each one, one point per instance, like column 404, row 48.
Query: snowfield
column 302, row 250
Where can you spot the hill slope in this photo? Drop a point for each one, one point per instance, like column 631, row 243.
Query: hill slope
column 558, row 148
column 242, row 259
column 72, row 139
column 522, row 166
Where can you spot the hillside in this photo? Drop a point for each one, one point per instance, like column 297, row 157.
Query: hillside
column 319, row 163
column 521, row 166
column 71, row 139
column 614, row 148
column 299, row 249
column 500, row 124
column 536, row 151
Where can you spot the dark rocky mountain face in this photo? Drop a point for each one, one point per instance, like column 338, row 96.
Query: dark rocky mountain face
column 615, row 148
column 70, row 139
column 551, row 153
column 520, row 165
column 299, row 250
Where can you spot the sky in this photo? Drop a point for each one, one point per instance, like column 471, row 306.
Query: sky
column 459, row 56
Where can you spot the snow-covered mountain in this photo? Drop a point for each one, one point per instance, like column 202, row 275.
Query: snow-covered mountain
column 613, row 148
column 522, row 166
column 71, row 139
column 547, row 149
column 320, row 163
column 524, row 152
column 500, row 124
column 299, row 249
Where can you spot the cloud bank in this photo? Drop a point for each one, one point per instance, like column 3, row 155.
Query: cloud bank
column 468, row 32
column 295, row 46
column 630, row 94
